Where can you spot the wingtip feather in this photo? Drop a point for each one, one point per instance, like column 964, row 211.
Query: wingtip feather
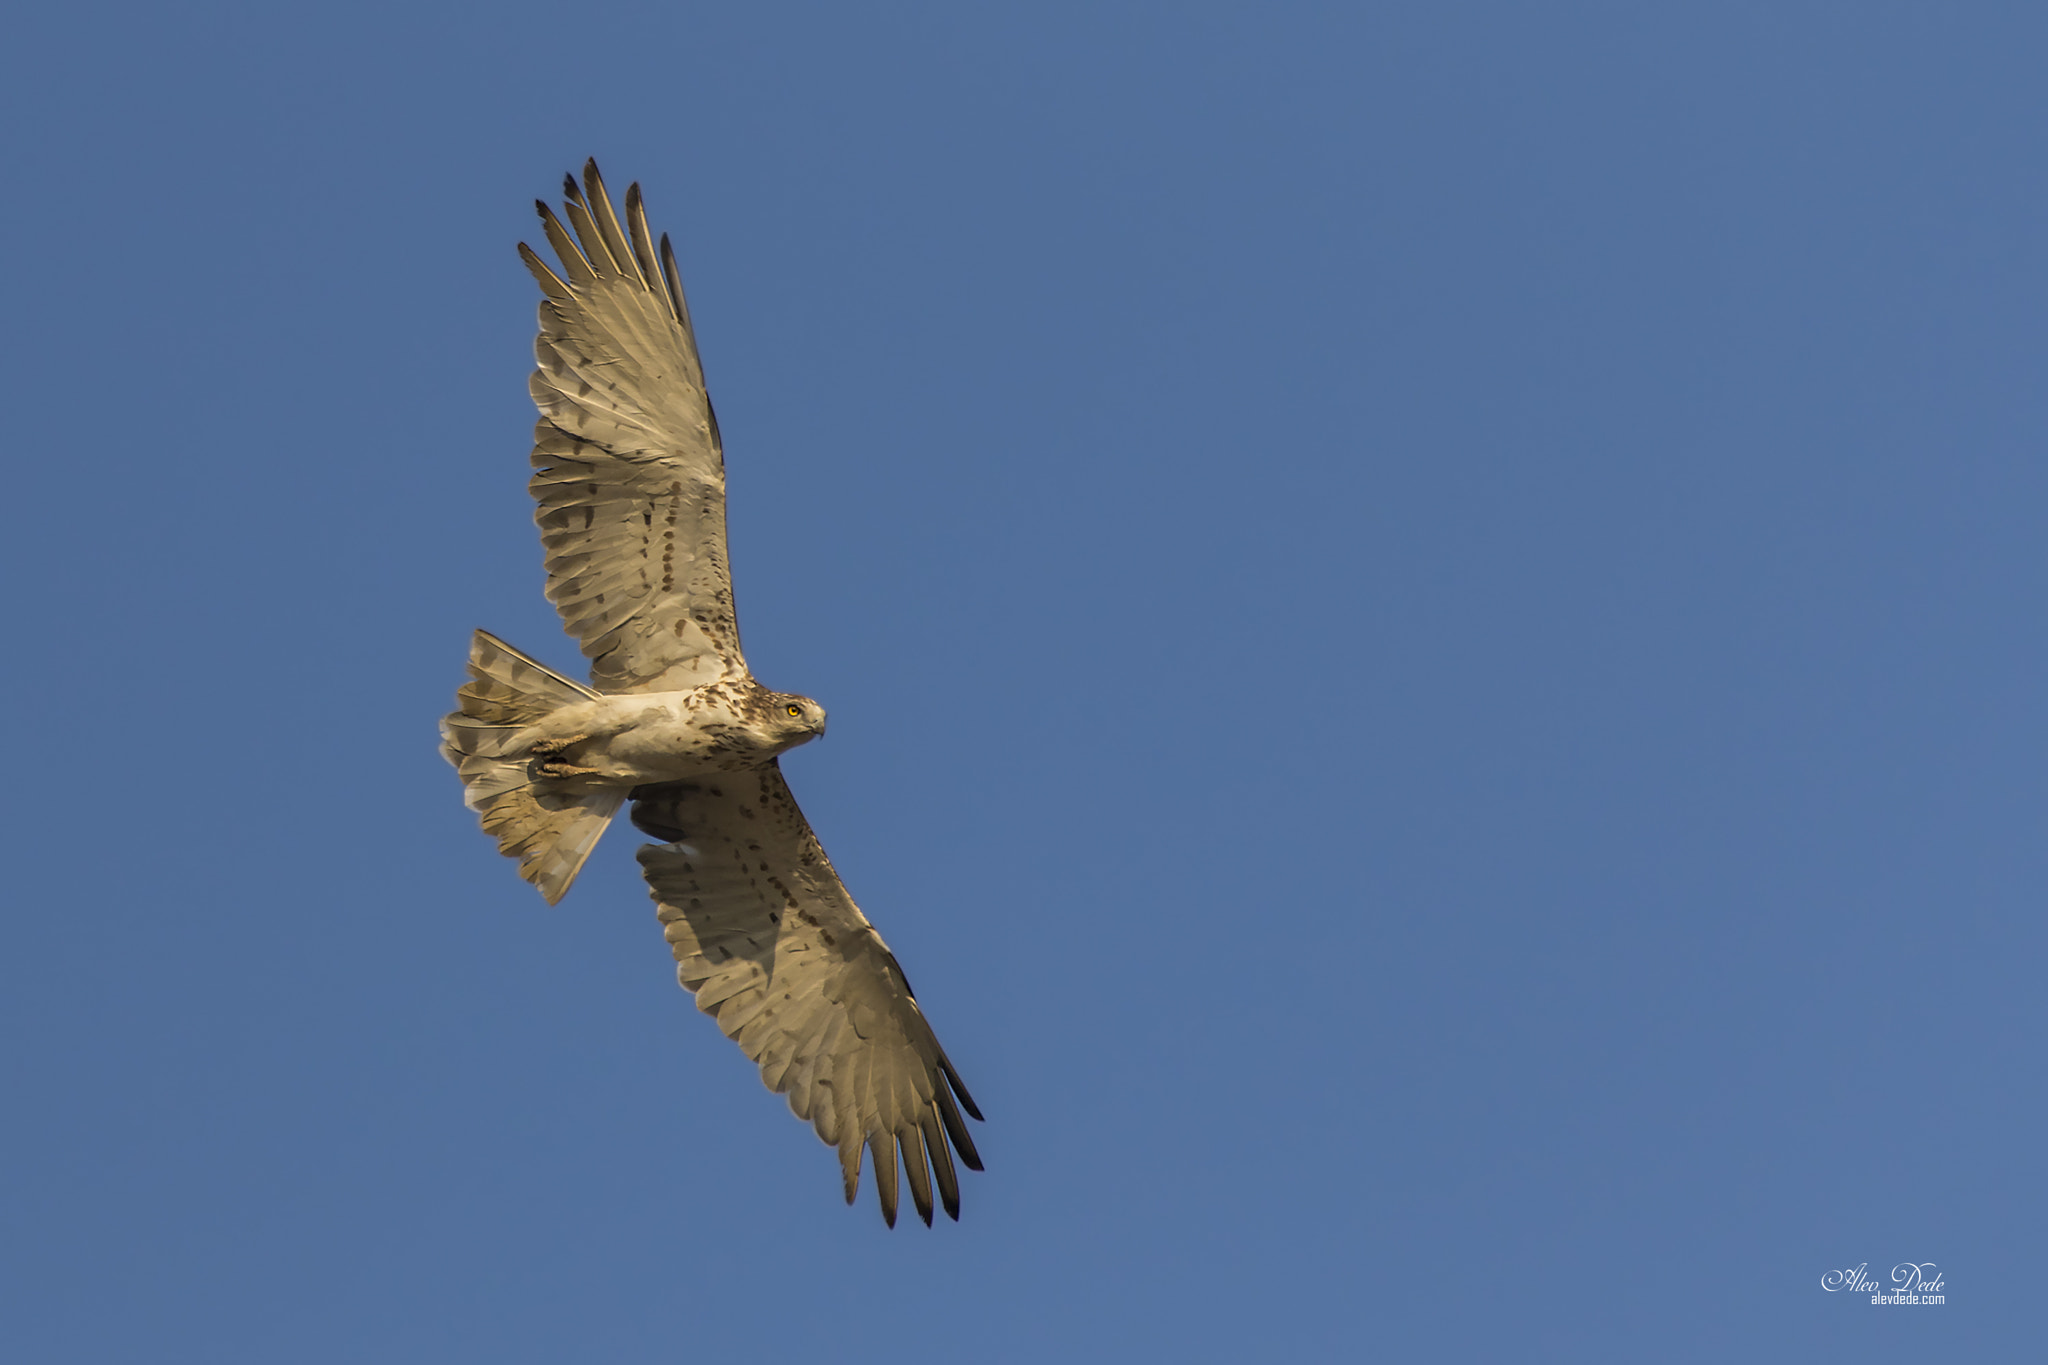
column 911, row 1142
column 849, row 1166
column 883, row 1147
column 959, row 1087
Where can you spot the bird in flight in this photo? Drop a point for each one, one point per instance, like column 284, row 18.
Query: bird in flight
column 629, row 475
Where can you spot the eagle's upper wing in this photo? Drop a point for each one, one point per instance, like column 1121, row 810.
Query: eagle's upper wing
column 775, row 950
column 629, row 474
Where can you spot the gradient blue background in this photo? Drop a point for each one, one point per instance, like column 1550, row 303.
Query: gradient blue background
column 1434, row 624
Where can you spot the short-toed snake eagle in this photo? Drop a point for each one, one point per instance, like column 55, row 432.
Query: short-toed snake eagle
column 630, row 478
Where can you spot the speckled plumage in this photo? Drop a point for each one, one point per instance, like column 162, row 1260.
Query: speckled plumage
column 630, row 485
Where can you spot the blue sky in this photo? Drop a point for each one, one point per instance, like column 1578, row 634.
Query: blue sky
column 1432, row 614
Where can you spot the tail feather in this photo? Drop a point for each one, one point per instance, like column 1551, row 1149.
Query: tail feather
column 507, row 688
column 550, row 833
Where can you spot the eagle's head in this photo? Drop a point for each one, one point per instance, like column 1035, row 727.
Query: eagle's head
column 794, row 720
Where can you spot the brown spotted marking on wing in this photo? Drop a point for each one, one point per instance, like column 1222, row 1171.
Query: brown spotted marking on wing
column 767, row 939
column 629, row 472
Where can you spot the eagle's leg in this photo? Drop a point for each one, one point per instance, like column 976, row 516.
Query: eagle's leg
column 548, row 760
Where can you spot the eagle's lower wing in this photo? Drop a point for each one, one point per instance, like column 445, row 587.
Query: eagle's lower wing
column 775, row 950
column 629, row 475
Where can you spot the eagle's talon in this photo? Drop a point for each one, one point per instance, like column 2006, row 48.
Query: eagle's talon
column 548, row 748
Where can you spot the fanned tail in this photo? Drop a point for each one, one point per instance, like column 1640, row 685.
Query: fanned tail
column 550, row 833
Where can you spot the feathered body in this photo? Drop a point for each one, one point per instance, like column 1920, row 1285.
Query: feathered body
column 632, row 740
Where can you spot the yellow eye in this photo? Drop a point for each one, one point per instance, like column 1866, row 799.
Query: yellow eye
column 794, row 710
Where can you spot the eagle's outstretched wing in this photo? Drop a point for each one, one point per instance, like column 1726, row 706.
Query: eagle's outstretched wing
column 629, row 474
column 775, row 950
